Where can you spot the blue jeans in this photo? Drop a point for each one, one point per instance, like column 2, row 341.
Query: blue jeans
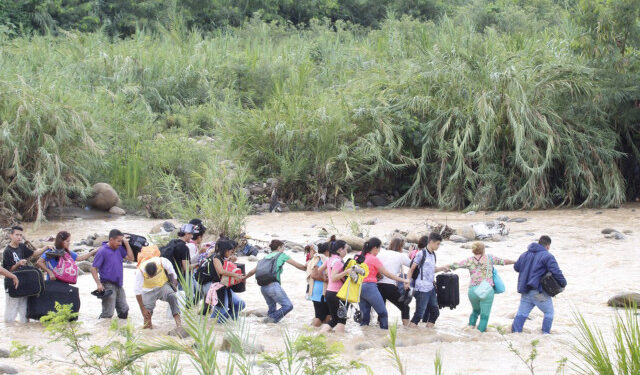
column 528, row 301
column 274, row 294
column 370, row 297
column 426, row 307
column 228, row 310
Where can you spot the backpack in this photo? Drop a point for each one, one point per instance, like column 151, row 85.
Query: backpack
column 418, row 270
column 205, row 273
column 266, row 270
column 167, row 250
column 147, row 252
column 66, row 270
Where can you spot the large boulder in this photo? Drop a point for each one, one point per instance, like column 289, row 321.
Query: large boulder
column 103, row 197
column 85, row 266
column 414, row 237
column 625, row 300
column 466, row 232
column 356, row 243
column 117, row 211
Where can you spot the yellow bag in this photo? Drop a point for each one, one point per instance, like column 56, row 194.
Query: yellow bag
column 350, row 290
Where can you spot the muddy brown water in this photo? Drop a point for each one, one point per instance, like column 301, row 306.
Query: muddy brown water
column 596, row 268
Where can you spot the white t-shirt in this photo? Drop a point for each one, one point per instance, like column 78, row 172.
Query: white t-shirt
column 393, row 262
column 193, row 253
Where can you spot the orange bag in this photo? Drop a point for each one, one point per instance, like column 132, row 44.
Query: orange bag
column 148, row 252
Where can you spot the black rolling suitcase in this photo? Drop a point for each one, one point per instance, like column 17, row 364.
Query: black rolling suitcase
column 448, row 290
column 54, row 291
column 30, row 282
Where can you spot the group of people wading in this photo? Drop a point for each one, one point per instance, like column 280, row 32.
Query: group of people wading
column 335, row 284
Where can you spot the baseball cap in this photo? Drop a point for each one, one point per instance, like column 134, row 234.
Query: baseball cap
column 186, row 228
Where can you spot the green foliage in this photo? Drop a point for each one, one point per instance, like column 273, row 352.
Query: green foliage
column 85, row 358
column 309, row 355
column 527, row 360
column 47, row 152
column 392, row 350
column 593, row 354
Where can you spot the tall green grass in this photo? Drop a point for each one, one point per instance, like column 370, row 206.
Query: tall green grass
column 458, row 113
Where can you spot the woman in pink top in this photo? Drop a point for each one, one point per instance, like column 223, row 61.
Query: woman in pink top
column 370, row 295
column 335, row 275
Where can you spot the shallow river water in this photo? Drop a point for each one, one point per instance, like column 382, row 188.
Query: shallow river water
column 596, row 268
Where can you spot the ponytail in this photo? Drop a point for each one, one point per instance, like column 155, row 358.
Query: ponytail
column 369, row 245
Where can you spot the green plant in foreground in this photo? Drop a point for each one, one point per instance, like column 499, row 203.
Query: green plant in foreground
column 392, row 350
column 87, row 358
column 593, row 354
column 526, row 360
column 309, row 355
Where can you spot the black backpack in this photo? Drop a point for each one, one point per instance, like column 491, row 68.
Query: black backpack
column 267, row 271
column 206, row 272
column 418, row 270
column 167, row 250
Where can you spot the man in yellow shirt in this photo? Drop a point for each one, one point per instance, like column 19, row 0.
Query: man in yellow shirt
column 154, row 280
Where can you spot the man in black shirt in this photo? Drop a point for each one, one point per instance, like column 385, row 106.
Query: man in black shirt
column 16, row 255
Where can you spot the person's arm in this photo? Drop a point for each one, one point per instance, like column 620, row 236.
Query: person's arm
column 390, row 275
column 20, row 263
column 39, row 252
column 9, row 275
column 129, row 257
column 455, row 265
column 138, row 291
column 297, row 265
column 86, row 256
column 41, row 264
column 251, row 273
column 217, row 264
column 171, row 272
column 517, row 264
column 552, row 266
column 96, row 278
column 339, row 275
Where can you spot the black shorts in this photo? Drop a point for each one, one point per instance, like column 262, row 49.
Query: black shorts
column 321, row 309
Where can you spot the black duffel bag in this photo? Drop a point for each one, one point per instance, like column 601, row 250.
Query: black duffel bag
column 550, row 285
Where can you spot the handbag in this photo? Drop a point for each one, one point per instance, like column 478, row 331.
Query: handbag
column 350, row 290
column 66, row 270
column 498, row 284
column 483, row 290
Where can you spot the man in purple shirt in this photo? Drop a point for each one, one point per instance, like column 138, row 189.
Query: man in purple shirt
column 108, row 264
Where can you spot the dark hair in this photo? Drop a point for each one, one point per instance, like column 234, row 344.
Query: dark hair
column 198, row 228
column 324, row 247
column 151, row 268
column 545, row 241
column 396, row 244
column 369, row 245
column 423, row 242
column 275, row 244
column 114, row 233
column 15, row 228
column 60, row 238
column 222, row 246
column 336, row 245
column 435, row 237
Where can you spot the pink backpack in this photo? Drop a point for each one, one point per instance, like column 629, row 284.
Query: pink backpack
column 66, row 270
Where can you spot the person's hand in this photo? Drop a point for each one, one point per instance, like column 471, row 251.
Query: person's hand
column 52, row 276
column 233, row 258
column 238, row 276
column 406, row 286
column 100, row 287
column 22, row 262
column 125, row 240
column 15, row 281
column 146, row 313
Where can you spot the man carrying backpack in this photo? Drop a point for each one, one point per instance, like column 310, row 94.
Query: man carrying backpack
column 15, row 256
column 532, row 266
column 154, row 280
column 423, row 270
column 177, row 251
column 267, row 274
